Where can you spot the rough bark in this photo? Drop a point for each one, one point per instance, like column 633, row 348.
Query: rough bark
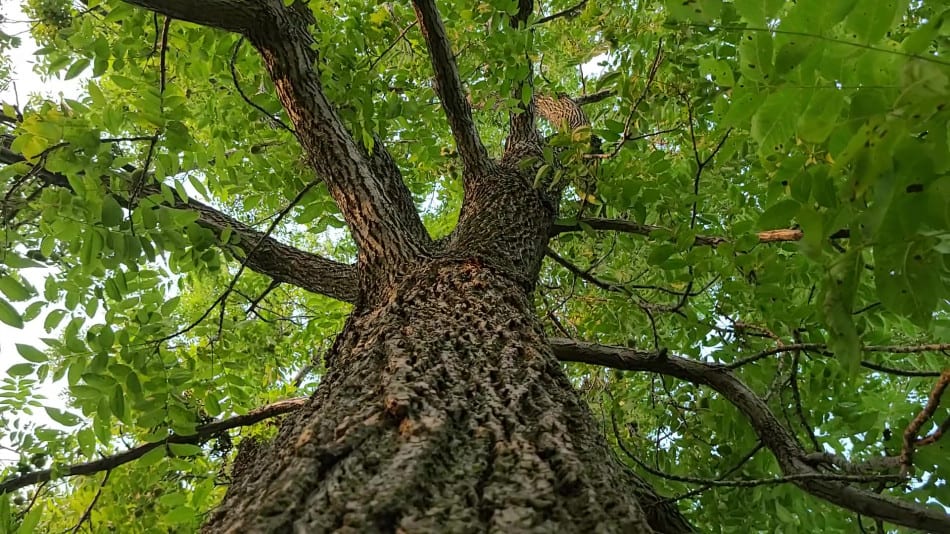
column 444, row 411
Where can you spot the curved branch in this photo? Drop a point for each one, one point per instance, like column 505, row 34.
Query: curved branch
column 202, row 434
column 448, row 86
column 281, row 262
column 792, row 458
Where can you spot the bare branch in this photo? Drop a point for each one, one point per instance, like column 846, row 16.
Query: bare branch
column 910, row 433
column 448, row 86
column 823, row 349
column 790, row 455
column 268, row 256
column 202, row 434
column 570, row 12
column 783, row 235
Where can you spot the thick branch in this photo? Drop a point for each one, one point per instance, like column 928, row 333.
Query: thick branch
column 448, row 86
column 230, row 15
column 272, row 258
column 630, row 227
column 368, row 189
column 202, row 434
column 790, row 455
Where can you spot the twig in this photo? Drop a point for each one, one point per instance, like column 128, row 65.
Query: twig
column 392, row 45
column 910, row 433
column 88, row 513
column 572, row 11
column 202, row 433
column 237, row 85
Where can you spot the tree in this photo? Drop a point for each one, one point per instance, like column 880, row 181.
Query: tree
column 743, row 207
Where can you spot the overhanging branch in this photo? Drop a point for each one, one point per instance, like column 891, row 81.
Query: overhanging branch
column 202, row 434
column 230, row 15
column 792, row 458
column 272, row 258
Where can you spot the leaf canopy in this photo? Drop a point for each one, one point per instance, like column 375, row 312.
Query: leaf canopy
column 827, row 118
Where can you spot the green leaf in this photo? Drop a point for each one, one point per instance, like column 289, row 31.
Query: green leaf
column 779, row 215
column 9, row 315
column 21, row 369
column 13, row 289
column 720, row 71
column 755, row 56
column 62, row 417
column 774, row 123
column 184, row 449
column 152, row 457
column 871, row 19
column 76, row 68
column 111, row 211
column 758, row 12
column 840, row 288
column 906, row 280
column 53, row 319
column 31, row 354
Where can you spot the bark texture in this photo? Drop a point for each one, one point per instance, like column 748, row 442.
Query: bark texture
column 445, row 411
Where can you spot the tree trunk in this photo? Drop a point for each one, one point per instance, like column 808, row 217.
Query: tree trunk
column 444, row 410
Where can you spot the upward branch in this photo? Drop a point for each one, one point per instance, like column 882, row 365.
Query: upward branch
column 524, row 140
column 448, row 86
column 369, row 190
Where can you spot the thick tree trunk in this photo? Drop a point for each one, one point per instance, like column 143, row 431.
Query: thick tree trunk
column 444, row 410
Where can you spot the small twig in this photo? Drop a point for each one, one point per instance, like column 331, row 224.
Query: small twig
column 910, row 433
column 254, row 303
column 651, row 76
column 797, row 396
column 572, row 11
column 392, row 45
column 748, row 456
column 86, row 515
column 237, row 85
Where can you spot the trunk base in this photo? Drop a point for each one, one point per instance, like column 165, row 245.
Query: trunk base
column 444, row 410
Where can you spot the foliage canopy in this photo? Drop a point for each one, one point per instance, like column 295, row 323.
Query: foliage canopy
column 773, row 195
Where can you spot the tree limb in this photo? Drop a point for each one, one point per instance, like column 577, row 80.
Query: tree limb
column 272, row 258
column 368, row 189
column 783, row 235
column 202, row 434
column 448, row 86
column 583, row 100
column 791, row 457
column 231, row 15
